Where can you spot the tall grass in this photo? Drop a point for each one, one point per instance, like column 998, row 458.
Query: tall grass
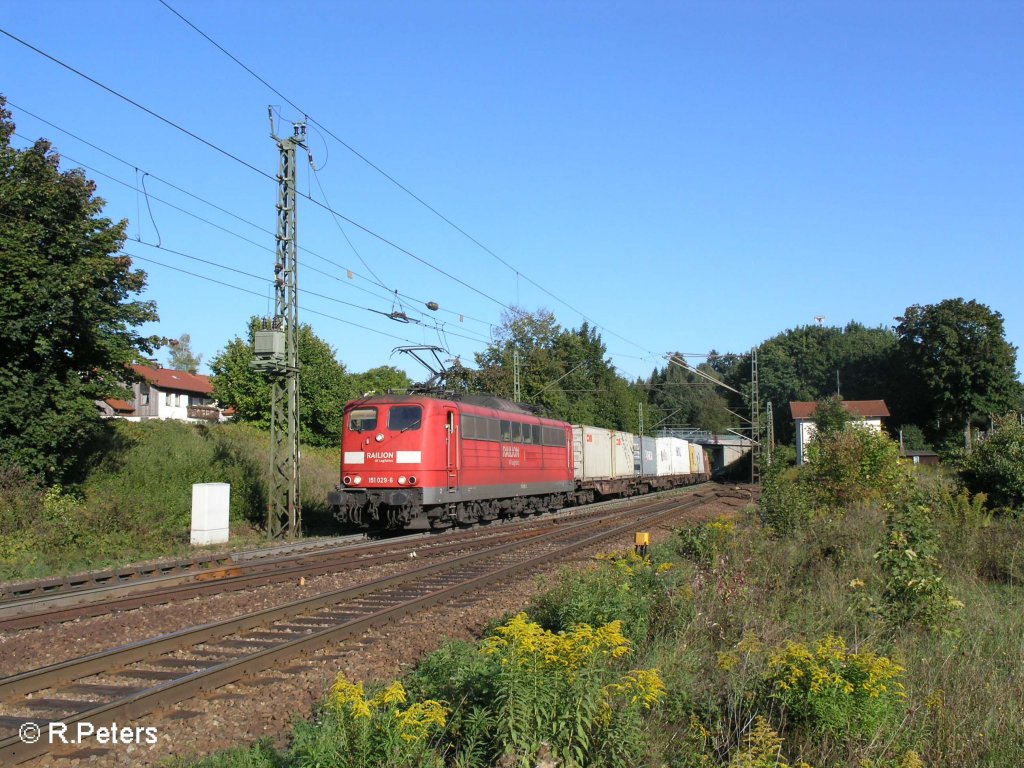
column 136, row 499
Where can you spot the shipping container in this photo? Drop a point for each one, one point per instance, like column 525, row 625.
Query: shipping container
column 602, row 453
column 645, row 463
column 623, row 452
column 672, row 456
column 681, row 463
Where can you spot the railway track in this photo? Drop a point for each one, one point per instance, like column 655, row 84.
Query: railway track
column 35, row 604
column 131, row 681
column 184, row 569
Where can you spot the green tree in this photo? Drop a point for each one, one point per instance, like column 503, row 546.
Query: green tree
column 681, row 397
column 958, row 364
column 812, row 362
column 379, row 380
column 69, row 324
column 565, row 371
column 238, row 385
column 324, row 386
column 182, row 358
column 996, row 465
column 830, row 416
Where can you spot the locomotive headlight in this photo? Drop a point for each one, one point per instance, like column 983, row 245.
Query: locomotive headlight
column 412, row 480
column 357, row 479
column 347, row 480
column 401, row 479
column 380, row 437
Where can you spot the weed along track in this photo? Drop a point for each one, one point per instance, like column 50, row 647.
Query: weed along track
column 136, row 681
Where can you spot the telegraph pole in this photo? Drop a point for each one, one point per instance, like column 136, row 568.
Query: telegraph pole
column 277, row 350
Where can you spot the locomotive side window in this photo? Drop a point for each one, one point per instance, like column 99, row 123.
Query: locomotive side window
column 506, row 431
column 554, row 437
column 493, row 430
column 402, row 418
column 360, row 419
column 468, row 427
column 517, row 432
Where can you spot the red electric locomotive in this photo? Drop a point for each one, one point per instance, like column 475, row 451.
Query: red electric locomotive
column 410, row 461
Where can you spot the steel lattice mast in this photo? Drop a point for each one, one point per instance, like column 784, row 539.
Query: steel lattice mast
column 277, row 351
column 755, row 420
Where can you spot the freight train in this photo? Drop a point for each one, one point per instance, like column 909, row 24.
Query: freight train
column 417, row 462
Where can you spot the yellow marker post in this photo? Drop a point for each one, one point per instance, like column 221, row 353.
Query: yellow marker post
column 641, row 540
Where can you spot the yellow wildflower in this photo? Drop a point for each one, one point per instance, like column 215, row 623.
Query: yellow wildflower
column 351, row 695
column 728, row 660
column 416, row 721
column 393, row 694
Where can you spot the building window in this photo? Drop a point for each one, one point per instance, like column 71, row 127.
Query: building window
column 167, row 398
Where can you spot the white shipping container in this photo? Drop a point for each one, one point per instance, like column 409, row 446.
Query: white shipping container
column 592, row 449
column 680, row 456
column 623, row 454
column 663, row 456
column 602, row 453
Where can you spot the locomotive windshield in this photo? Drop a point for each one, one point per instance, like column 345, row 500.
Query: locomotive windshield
column 362, row 418
column 402, row 418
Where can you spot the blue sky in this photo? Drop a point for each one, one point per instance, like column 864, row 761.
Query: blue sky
column 689, row 176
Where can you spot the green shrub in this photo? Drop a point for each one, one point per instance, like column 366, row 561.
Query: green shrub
column 786, row 504
column 457, row 673
column 384, row 730
column 996, row 464
column 259, row 755
column 852, row 465
column 705, row 543
column 914, row 591
column 624, row 588
column 830, row 689
column 561, row 692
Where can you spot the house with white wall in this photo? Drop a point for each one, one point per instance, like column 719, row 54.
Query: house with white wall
column 164, row 393
column 868, row 412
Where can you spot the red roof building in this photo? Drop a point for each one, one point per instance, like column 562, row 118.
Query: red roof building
column 164, row 393
column 869, row 412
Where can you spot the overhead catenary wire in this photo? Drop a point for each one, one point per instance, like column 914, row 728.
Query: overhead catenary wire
column 302, row 291
column 307, row 292
column 262, row 173
column 261, row 296
column 395, row 181
column 456, row 313
column 367, row 230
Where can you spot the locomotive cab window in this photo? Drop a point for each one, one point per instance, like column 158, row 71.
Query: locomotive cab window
column 402, row 418
column 360, row 419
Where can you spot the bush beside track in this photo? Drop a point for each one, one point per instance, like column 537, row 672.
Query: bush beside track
column 135, row 501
